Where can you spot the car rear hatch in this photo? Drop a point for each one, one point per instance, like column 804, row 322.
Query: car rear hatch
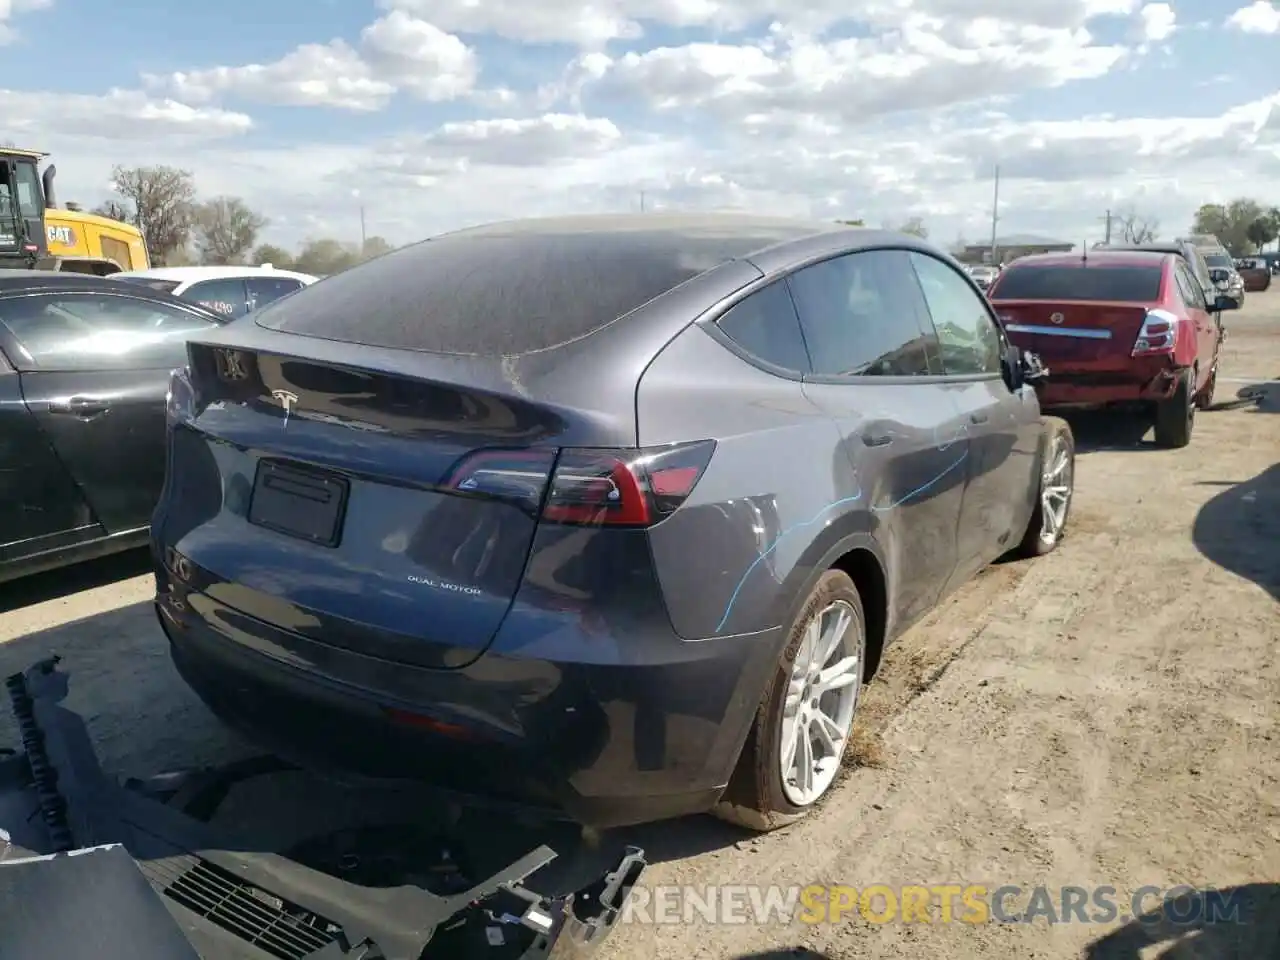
column 354, row 506
column 1073, row 335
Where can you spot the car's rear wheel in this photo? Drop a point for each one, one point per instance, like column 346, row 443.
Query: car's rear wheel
column 1048, row 522
column 797, row 741
column 1176, row 416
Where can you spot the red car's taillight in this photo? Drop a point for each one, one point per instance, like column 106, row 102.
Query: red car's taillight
column 588, row 486
column 1159, row 334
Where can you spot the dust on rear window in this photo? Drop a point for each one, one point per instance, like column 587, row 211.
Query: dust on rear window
column 153, row 283
column 1127, row 284
column 507, row 293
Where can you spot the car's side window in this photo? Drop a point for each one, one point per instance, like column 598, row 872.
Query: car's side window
column 765, row 325
column 1192, row 292
column 263, row 290
column 862, row 316
column 88, row 331
column 226, row 297
column 967, row 333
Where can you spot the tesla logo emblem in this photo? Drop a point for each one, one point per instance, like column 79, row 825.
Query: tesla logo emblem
column 1056, row 318
column 287, row 400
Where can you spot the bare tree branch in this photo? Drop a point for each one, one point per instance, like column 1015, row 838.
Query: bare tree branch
column 160, row 202
column 1130, row 226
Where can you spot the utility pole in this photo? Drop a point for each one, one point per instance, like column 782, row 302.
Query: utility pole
column 1107, row 235
column 995, row 215
column 642, row 201
column 363, row 238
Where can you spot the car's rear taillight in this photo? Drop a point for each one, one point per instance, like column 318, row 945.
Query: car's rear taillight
column 1159, row 334
column 588, row 486
column 179, row 399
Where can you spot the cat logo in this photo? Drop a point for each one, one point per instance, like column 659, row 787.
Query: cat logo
column 63, row 235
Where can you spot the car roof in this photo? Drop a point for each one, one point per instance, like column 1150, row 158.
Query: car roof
column 50, row 278
column 193, row 274
column 1155, row 246
column 1100, row 258
column 81, row 282
column 574, row 275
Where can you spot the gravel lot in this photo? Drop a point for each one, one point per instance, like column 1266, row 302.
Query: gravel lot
column 1107, row 715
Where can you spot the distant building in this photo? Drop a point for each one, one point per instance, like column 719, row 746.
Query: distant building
column 1013, row 246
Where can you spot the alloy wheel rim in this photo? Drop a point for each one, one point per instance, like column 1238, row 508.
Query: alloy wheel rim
column 1055, row 492
column 821, row 700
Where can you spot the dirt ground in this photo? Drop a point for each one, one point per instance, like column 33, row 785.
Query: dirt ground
column 1108, row 715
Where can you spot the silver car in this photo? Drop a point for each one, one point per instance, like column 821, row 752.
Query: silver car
column 1226, row 278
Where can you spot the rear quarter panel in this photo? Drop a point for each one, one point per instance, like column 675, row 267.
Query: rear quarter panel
column 778, row 497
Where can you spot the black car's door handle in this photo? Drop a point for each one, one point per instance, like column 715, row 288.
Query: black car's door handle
column 877, row 439
column 978, row 418
column 83, row 407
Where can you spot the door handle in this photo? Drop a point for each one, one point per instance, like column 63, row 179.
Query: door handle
column 877, row 439
column 978, row 418
column 84, row 407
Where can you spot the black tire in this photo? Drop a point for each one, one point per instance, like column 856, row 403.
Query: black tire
column 1040, row 536
column 755, row 798
column 1176, row 416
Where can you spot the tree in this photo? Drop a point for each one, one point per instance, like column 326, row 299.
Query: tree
column 114, row 210
column 1229, row 223
column 225, row 230
column 270, row 253
column 1261, row 232
column 1130, row 226
column 324, row 256
column 159, row 201
column 375, row 247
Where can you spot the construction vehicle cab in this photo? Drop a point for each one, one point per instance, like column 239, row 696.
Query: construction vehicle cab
column 37, row 235
column 23, row 239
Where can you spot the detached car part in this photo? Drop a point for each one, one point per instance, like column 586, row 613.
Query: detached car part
column 88, row 867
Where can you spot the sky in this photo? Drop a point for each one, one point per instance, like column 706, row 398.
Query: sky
column 437, row 114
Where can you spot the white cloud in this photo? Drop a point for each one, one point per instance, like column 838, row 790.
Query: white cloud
column 1260, row 16
column 1159, row 22
column 118, row 115
column 900, row 114
column 592, row 23
column 924, row 63
column 11, row 8
column 396, row 52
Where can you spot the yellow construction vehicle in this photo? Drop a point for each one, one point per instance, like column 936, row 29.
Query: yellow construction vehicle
column 35, row 234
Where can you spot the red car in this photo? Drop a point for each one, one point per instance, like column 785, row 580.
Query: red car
column 1119, row 330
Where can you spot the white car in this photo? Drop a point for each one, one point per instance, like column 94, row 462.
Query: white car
column 229, row 291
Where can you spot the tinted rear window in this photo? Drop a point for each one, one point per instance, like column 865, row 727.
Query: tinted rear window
column 511, row 292
column 164, row 286
column 1070, row 282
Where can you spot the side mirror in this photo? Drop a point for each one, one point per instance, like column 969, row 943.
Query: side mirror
column 1221, row 303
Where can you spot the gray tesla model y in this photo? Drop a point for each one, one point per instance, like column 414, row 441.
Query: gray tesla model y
column 609, row 515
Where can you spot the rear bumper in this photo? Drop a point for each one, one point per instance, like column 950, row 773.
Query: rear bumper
column 1082, row 389
column 640, row 738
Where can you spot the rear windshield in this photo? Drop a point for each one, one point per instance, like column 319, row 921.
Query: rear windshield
column 511, row 291
column 1218, row 260
column 164, row 286
column 1081, row 282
